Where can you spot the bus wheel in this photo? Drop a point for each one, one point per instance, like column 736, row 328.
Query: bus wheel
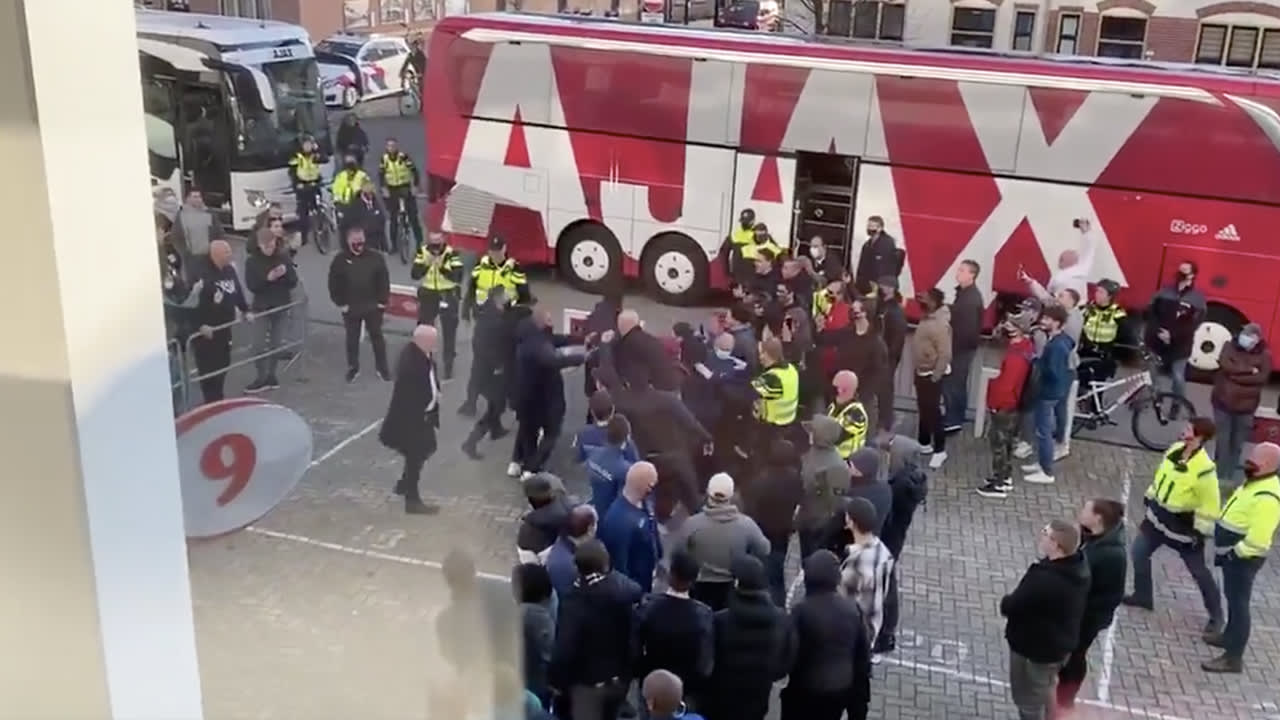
column 1221, row 323
column 591, row 258
column 675, row 269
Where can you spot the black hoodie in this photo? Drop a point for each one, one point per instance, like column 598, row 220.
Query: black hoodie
column 833, row 652
column 269, row 293
column 1045, row 610
column 359, row 282
column 1108, row 569
column 754, row 646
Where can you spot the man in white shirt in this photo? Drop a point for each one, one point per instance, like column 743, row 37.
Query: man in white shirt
column 1074, row 267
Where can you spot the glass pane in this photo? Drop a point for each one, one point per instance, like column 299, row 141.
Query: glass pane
column 840, row 21
column 1126, row 29
column 1269, row 55
column 1069, row 27
column 973, row 40
column 1024, row 23
column 968, row 19
column 1021, row 42
column 1240, row 50
column 891, row 21
column 1130, row 51
column 1067, row 46
column 1213, row 41
column 865, row 17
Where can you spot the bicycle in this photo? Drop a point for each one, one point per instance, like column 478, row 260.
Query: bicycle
column 324, row 226
column 411, row 95
column 401, row 242
column 1140, row 394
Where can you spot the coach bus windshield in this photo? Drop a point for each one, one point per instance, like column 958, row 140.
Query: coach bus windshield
column 267, row 136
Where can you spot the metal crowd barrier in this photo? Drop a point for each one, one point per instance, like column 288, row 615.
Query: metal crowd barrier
column 294, row 342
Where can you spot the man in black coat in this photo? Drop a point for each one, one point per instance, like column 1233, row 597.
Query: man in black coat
column 539, row 390
column 360, row 286
column 413, row 416
column 880, row 255
column 754, row 647
column 1043, row 618
column 1102, row 531
column 641, row 359
column 603, row 318
column 492, row 344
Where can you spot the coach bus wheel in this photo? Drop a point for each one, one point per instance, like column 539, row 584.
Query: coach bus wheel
column 675, row 269
column 591, row 258
column 1221, row 323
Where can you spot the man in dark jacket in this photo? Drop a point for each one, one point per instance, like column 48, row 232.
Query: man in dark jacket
column 640, row 358
column 1102, row 532
column 754, row 648
column 579, row 528
column 891, row 321
column 1244, row 368
column 361, row 287
column 629, row 530
column 1054, row 377
column 219, row 296
column 673, row 631
column 270, row 276
column 880, row 255
column 832, row 668
column 771, row 499
column 909, row 486
column 492, row 343
column 590, row 667
column 546, row 519
column 966, row 336
column 603, row 318
column 540, row 405
column 860, row 349
column 1171, row 321
column 367, row 211
column 1043, row 617
column 352, row 138
column 413, row 416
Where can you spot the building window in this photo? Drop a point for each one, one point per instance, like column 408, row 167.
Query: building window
column 1068, row 34
column 1024, row 28
column 866, row 19
column 972, row 27
column 1122, row 37
column 256, row 9
column 1239, row 46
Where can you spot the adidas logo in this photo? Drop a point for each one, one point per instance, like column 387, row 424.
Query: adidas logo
column 1228, row 233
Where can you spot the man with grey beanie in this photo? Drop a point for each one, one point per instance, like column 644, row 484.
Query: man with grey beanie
column 714, row 537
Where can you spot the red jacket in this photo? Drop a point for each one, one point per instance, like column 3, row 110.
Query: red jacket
column 1004, row 391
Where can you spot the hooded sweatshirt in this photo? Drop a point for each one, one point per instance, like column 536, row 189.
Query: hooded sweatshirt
column 833, row 652
column 869, row 485
column 1044, row 612
column 718, row 534
column 824, row 474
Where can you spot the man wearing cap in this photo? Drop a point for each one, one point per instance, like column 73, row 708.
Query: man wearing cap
column 495, row 269
column 715, row 536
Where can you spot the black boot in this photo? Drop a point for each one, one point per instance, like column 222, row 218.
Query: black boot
column 468, row 409
column 469, row 445
column 417, row 507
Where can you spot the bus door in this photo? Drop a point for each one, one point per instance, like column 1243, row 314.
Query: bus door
column 765, row 184
column 204, row 131
column 824, row 195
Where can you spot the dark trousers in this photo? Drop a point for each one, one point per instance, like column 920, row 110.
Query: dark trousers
column 679, row 483
column 433, row 304
column 475, row 380
column 536, row 439
column 597, row 702
column 1072, row 674
column 413, row 463
column 955, row 388
column 775, row 568
column 307, row 196
column 888, row 637
column 371, row 321
column 495, row 403
column 928, row 399
column 404, row 195
column 213, row 355
column 1144, row 545
column 798, row 704
column 1237, row 584
column 811, row 541
column 714, row 595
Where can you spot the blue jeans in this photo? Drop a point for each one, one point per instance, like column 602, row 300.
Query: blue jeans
column 1043, row 417
column 1060, row 414
column 1147, row 541
column 955, row 388
column 1178, row 376
column 1233, row 432
column 1237, row 585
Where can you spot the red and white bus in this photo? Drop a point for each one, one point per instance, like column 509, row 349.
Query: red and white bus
column 612, row 149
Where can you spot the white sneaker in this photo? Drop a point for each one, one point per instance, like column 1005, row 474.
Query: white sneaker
column 938, row 458
column 1039, row 477
column 1031, row 468
column 513, row 470
column 1060, row 451
column 1023, row 450
column 525, row 475
column 877, row 658
column 926, row 449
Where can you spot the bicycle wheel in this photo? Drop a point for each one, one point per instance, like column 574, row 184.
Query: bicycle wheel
column 322, row 230
column 1157, row 420
column 402, row 240
column 409, row 103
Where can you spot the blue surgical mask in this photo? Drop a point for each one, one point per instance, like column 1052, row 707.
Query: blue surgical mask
column 1246, row 341
column 724, row 354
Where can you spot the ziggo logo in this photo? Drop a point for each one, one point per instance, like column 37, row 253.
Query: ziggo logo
column 1182, row 227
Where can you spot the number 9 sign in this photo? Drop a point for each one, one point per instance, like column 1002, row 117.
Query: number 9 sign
column 237, row 459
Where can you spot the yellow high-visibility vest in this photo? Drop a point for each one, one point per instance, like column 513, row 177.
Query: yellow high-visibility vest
column 397, row 170
column 488, row 274
column 779, row 391
column 306, row 167
column 436, row 277
column 853, row 420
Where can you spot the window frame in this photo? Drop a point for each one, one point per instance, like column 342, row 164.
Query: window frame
column 1142, row 47
column 1075, row 36
column 1230, row 30
column 989, row 35
column 1030, row 36
column 880, row 6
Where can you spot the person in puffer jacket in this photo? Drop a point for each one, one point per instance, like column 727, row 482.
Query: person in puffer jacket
column 832, row 668
column 714, row 537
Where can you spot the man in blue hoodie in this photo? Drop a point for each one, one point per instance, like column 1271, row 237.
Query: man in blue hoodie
column 1053, row 378
column 593, row 435
column 607, row 465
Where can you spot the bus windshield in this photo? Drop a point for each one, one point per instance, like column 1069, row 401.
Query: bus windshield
column 268, row 136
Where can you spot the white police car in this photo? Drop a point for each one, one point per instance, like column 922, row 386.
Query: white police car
column 359, row 67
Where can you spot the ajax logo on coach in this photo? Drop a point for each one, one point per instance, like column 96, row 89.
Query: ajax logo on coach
column 1182, row 227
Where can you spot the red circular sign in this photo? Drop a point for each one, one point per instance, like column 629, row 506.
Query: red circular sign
column 237, row 459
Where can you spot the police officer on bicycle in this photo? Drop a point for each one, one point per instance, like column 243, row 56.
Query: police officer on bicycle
column 304, row 176
column 399, row 176
column 439, row 268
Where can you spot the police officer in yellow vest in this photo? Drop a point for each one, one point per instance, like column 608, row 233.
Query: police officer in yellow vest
column 1182, row 506
column 399, row 176
column 304, row 176
column 495, row 268
column 439, row 268
column 849, row 413
column 740, row 236
column 1242, row 540
column 346, row 187
column 1103, row 328
column 777, row 390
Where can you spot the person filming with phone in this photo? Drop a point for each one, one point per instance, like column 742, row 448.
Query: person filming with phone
column 1074, row 266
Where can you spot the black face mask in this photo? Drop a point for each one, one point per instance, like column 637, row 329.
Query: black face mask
column 1182, row 277
column 352, row 165
column 435, row 249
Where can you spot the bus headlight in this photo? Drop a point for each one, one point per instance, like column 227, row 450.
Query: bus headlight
column 257, row 199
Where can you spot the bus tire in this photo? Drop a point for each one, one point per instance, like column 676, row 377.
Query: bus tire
column 590, row 256
column 1221, row 323
column 675, row 270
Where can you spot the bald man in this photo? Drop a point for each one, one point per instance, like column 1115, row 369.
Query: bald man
column 849, row 413
column 1242, row 540
column 640, row 359
column 413, row 416
column 220, row 297
column 629, row 530
column 663, row 694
